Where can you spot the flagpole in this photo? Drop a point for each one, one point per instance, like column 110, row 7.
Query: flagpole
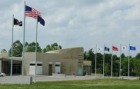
column 95, row 59
column 129, row 62
column 120, row 62
column 104, row 62
column 23, row 54
column 11, row 72
column 36, row 47
column 111, row 62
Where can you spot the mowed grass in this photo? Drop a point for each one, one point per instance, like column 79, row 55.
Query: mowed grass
column 81, row 84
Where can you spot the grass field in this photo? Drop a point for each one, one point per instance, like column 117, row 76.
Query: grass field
column 81, row 84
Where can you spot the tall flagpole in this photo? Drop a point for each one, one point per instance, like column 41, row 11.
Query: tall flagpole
column 95, row 59
column 120, row 69
column 104, row 62
column 111, row 62
column 23, row 54
column 11, row 72
column 129, row 62
column 36, row 47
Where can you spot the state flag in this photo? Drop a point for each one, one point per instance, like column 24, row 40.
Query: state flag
column 132, row 48
column 123, row 48
column 114, row 48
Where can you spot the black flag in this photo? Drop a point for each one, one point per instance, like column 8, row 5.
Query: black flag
column 106, row 49
column 17, row 22
column 41, row 20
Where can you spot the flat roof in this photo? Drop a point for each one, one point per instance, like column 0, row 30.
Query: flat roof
column 13, row 58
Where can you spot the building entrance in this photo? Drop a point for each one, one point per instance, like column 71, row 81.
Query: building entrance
column 6, row 67
column 50, row 69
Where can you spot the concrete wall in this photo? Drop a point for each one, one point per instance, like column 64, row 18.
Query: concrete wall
column 71, row 60
column 3, row 55
column 87, row 63
column 46, row 59
column 16, row 80
column 29, row 56
column 69, row 52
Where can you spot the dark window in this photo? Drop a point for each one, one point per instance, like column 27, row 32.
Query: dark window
column 39, row 64
column 32, row 64
column 57, row 65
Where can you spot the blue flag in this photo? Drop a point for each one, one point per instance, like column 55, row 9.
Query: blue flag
column 132, row 48
column 41, row 20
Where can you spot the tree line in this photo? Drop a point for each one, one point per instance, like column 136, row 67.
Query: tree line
column 134, row 63
column 17, row 48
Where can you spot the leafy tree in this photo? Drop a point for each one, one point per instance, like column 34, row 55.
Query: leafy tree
column 107, row 69
column 3, row 51
column 99, row 63
column 51, row 47
column 134, row 67
column 107, row 58
column 115, row 57
column 26, row 46
column 90, row 56
column 122, row 55
column 134, row 63
column 124, row 66
column 138, row 56
column 116, row 67
column 32, row 47
column 16, row 49
column 85, row 55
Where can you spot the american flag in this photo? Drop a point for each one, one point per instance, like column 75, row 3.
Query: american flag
column 31, row 12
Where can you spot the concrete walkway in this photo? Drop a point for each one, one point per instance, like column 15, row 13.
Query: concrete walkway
column 67, row 78
column 39, row 78
column 62, row 78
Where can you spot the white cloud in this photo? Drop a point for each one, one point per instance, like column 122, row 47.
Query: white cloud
column 75, row 22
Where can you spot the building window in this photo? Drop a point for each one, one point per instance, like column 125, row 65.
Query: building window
column 32, row 64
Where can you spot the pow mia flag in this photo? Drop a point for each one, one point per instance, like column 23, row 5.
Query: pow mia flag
column 17, row 22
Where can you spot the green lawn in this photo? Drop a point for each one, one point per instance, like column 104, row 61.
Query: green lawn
column 82, row 84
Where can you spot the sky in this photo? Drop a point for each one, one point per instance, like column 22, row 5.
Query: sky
column 74, row 23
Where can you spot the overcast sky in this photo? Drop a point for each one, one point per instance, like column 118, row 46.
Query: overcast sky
column 74, row 23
